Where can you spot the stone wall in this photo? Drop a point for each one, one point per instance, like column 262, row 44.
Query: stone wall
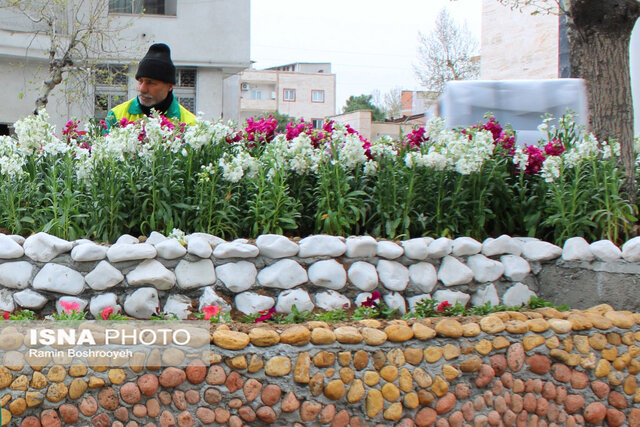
column 540, row 367
column 325, row 272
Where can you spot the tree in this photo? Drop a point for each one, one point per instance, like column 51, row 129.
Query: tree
column 364, row 102
column 390, row 103
column 447, row 53
column 73, row 32
column 599, row 34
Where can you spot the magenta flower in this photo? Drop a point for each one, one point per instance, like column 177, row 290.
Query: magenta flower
column 494, row 127
column 210, row 311
column 416, row 138
column 534, row 161
column 372, row 300
column 70, row 307
column 554, row 148
column 442, row 307
column 265, row 315
column 106, row 312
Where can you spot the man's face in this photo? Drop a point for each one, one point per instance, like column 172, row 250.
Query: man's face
column 152, row 91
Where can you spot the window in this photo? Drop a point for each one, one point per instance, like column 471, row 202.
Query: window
column 317, row 96
column 256, row 94
column 149, row 7
column 289, row 95
column 110, row 87
column 185, row 88
column 317, row 123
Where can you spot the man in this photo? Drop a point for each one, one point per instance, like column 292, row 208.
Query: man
column 156, row 77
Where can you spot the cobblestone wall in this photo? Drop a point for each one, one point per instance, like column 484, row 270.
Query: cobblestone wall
column 541, row 367
column 142, row 276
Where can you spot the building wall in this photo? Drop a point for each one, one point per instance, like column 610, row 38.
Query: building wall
column 304, row 84
column 517, row 45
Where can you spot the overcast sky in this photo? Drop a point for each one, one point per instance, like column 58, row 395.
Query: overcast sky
column 371, row 44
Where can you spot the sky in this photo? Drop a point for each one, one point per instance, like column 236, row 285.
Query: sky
column 371, row 44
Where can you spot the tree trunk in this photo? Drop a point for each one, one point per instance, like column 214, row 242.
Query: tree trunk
column 599, row 37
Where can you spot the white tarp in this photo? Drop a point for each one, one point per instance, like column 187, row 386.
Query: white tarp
column 521, row 103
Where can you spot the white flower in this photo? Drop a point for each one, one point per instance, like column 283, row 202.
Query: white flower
column 588, row 147
column 179, row 235
column 551, row 168
column 11, row 160
column 34, row 132
column 370, row 168
column 351, row 154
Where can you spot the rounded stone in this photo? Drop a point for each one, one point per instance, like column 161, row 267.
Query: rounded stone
column 271, row 394
column 172, row 377
column 335, row 390
column 399, row 333
column 426, row 417
column 130, row 393
column 296, row 335
column 446, row 403
column 230, row 340
column 278, row 366
column 449, row 328
column 196, row 371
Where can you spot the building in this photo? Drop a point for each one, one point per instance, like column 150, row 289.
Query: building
column 362, row 121
column 419, row 102
column 204, row 51
column 300, row 90
column 518, row 45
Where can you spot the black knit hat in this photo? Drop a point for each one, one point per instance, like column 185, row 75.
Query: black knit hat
column 157, row 64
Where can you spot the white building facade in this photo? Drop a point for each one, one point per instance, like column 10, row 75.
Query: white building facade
column 209, row 42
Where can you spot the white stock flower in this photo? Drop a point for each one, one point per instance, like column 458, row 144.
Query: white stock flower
column 11, row 160
column 34, row 131
column 588, row 146
column 351, row 153
column 551, row 168
column 383, row 147
column 204, row 132
column 370, row 168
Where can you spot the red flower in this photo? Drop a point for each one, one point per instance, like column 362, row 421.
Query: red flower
column 442, row 307
column 371, row 301
column 70, row 307
column 265, row 315
column 106, row 312
column 210, row 310
column 6, row 315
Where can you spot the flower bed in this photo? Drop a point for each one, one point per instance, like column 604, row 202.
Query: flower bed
column 154, row 176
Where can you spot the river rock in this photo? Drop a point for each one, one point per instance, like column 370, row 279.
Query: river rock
column 361, row 247
column 327, row 274
column 577, row 249
column 142, row 303
column 485, row 269
column 190, row 275
column 465, row 246
column 82, row 303
column 414, row 300
column 9, row 248
column 288, row 298
column 237, row 276
column 179, row 305
column 393, row 275
column 331, row 300
column 389, row 250
column 395, row 300
column 102, row 301
column 515, row 268
column 631, row 250
column 16, row 275
column 452, row 297
column 251, row 303
column 540, row 251
column 127, row 239
column 452, row 272
column 60, row 279
column 416, row 248
column 322, row 245
column 503, row 244
column 276, row 246
column 131, row 252
column 210, row 297
column 88, row 252
column 154, row 238
column 103, row 276
column 199, row 247
column 29, row 299
column 43, row 247
column 440, row 248
column 519, row 294
column 7, row 300
column 284, row 274
column 487, row 294
column 605, row 250
column 423, row 276
column 170, row 249
column 152, row 272
column 363, row 275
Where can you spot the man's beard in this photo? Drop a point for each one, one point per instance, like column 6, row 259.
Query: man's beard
column 146, row 100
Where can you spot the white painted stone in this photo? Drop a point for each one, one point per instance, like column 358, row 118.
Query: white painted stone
column 151, row 272
column 519, row 294
column 81, row 242
column 43, row 247
column 179, row 305
column 631, row 250
column 515, row 268
column 240, row 240
column 540, row 251
column 577, row 249
column 251, row 303
column 414, row 300
column 190, row 275
column 99, row 302
column 363, row 275
column 284, row 274
column 288, row 298
column 452, row 297
column 210, row 297
column 393, row 275
column 424, row 276
column 485, row 269
column 416, row 248
column 9, row 248
column 452, row 272
column 127, row 239
column 131, row 252
column 605, row 250
column 235, row 250
column 16, row 275
column 276, row 246
column 103, row 276
column 465, row 246
column 331, row 300
column 171, row 249
column 58, row 278
column 88, row 252
column 504, row 244
column 328, row 274
column 155, row 238
column 487, row 294
column 389, row 250
column 395, row 300
column 361, row 247
column 6, row 300
column 18, row 239
column 237, row 276
column 142, row 303
column 200, row 247
column 82, row 303
column 440, row 247
column 213, row 240
column 29, row 299
column 321, row 245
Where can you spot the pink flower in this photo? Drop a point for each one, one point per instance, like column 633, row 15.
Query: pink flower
column 534, row 161
column 5, row 315
column 416, row 138
column 265, row 315
column 443, row 306
column 210, row 310
column 70, row 307
column 106, row 312
column 494, row 127
column 554, row 148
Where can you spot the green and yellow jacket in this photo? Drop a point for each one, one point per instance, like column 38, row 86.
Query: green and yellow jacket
column 132, row 111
